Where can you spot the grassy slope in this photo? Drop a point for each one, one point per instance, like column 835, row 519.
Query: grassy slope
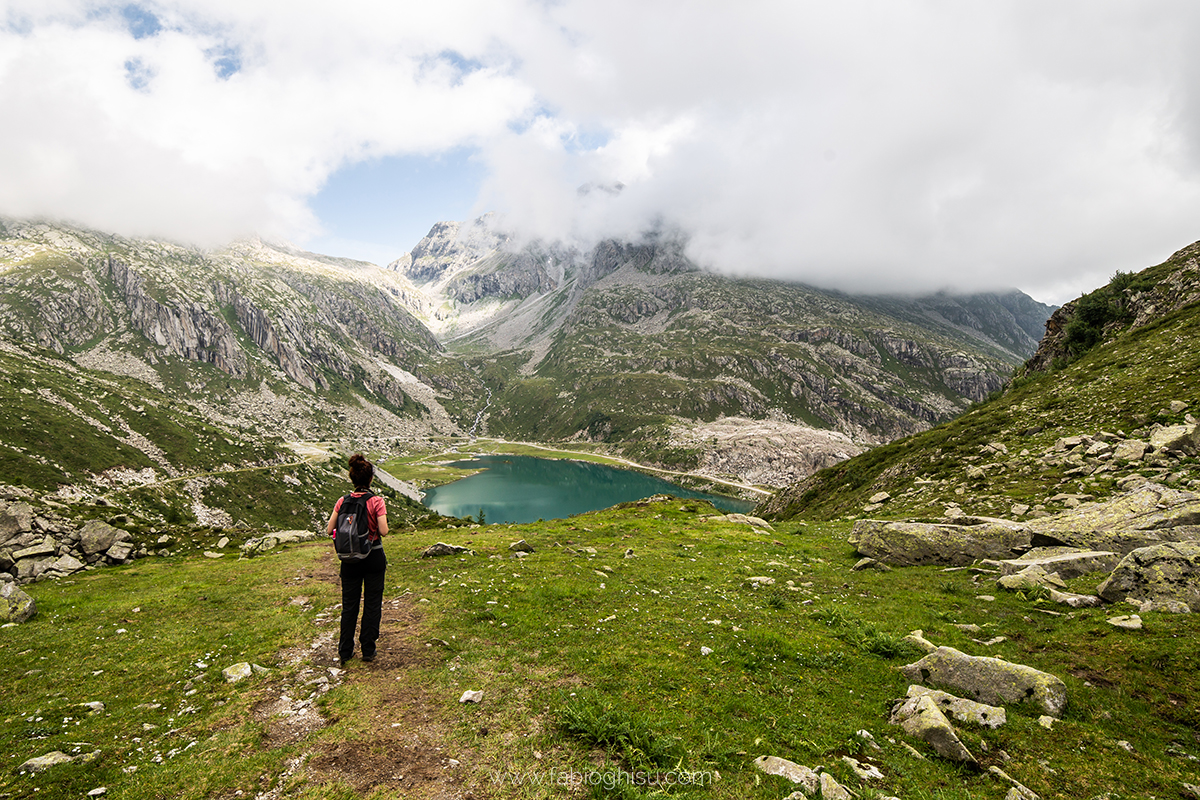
column 1120, row 387
column 589, row 663
column 610, row 376
column 45, row 443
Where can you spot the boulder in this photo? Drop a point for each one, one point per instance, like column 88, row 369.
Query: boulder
column 1130, row 450
column 917, row 637
column 15, row 520
column 51, row 759
column 67, row 564
column 257, row 545
column 41, row 550
column 1177, row 439
column 832, row 790
column 15, row 604
column 961, row 709
column 1160, row 573
column 238, row 672
column 1074, row 600
column 119, row 551
column 30, row 569
column 921, row 718
column 757, row 522
column 291, row 536
column 521, row 547
column 989, row 680
column 1163, row 607
column 809, row 780
column 443, row 549
column 1067, row 562
column 1146, row 515
column 916, row 543
column 1032, row 575
column 864, row 771
column 98, row 536
column 264, row 544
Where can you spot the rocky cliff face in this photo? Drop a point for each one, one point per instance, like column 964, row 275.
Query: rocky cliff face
column 253, row 312
column 185, row 329
column 518, row 276
column 1129, row 301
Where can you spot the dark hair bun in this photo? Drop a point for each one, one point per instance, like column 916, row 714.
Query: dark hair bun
column 361, row 471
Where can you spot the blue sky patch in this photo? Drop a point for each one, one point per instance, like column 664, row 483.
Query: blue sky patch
column 378, row 209
column 137, row 74
column 226, row 61
column 141, row 22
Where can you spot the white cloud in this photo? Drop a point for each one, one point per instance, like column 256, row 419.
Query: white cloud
column 890, row 146
column 145, row 135
column 908, row 144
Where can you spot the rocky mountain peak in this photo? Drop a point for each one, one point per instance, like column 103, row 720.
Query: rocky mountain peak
column 448, row 248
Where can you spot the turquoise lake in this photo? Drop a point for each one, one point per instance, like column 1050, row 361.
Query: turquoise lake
column 526, row 489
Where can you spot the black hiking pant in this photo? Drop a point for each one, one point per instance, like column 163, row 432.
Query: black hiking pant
column 362, row 580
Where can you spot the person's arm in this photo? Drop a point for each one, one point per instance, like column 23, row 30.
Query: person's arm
column 380, row 512
column 331, row 526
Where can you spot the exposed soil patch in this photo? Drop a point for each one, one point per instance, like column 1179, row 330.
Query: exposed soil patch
column 1093, row 677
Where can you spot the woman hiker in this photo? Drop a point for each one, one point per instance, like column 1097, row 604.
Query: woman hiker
column 362, row 578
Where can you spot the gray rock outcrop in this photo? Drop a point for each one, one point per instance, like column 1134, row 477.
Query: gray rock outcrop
column 921, row 718
column 1074, row 600
column 1159, row 573
column 443, row 549
column 98, row 536
column 915, row 543
column 14, row 521
column 1148, row 514
column 44, row 762
column 799, row 774
column 1033, row 575
column 265, row 544
column 962, row 710
column 1066, row 562
column 37, row 544
column 989, row 680
column 15, row 604
column 1183, row 439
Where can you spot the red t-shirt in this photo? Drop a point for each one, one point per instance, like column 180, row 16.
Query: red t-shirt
column 375, row 510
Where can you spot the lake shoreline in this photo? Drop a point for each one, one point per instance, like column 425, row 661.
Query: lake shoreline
column 519, row 489
column 429, row 470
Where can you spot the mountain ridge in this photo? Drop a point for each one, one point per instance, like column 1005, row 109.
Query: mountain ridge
column 640, row 316
column 629, row 345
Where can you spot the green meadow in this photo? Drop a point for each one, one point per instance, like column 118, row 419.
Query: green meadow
column 641, row 651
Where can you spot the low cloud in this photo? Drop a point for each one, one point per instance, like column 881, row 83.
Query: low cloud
column 868, row 146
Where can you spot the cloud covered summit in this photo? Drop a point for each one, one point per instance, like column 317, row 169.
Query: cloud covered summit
column 867, row 146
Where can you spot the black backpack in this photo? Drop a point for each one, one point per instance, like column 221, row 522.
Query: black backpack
column 351, row 540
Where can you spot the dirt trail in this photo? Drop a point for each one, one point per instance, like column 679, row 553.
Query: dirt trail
column 399, row 742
